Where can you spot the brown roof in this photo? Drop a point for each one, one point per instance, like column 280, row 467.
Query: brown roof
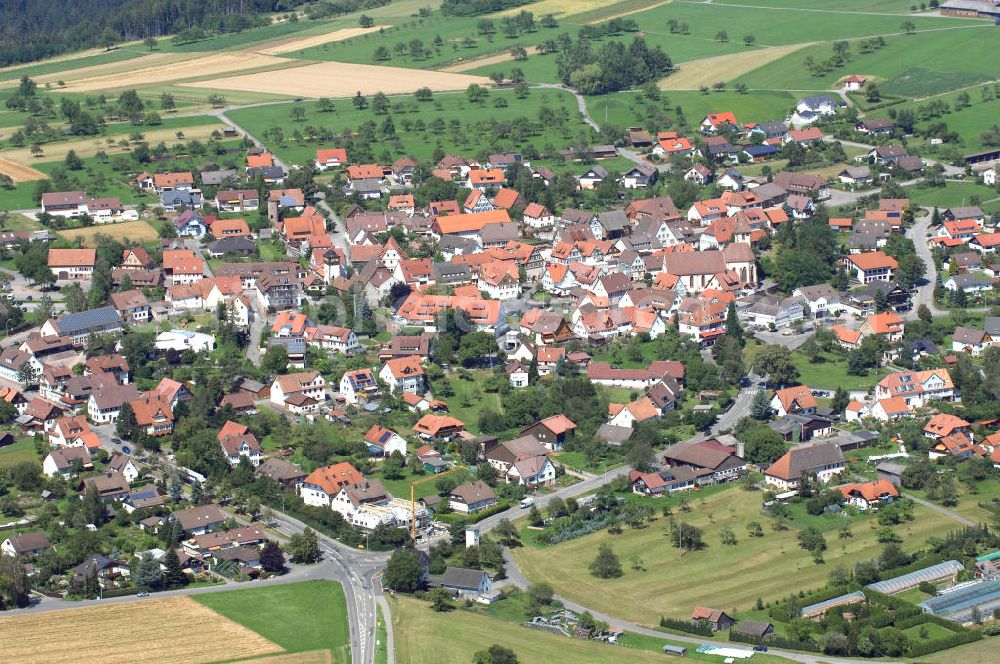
column 200, row 517
column 803, row 458
column 72, row 257
column 708, row 453
column 473, row 492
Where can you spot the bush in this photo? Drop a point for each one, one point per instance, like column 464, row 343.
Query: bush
column 919, row 649
column 701, row 629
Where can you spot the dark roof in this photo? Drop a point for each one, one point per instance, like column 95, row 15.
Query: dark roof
column 105, row 317
column 460, row 578
column 754, row 628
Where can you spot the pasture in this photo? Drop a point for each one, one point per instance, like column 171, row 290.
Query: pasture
column 135, row 231
column 171, row 630
column 299, row 617
column 672, row 582
column 953, row 194
column 943, row 53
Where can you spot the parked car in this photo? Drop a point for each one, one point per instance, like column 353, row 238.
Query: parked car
column 760, row 648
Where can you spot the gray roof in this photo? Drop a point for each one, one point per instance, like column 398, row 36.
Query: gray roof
column 500, row 232
column 613, row 435
column 460, row 578
column 596, row 170
column 175, row 197
column 810, row 456
column 613, row 220
column 452, row 273
column 992, row 325
column 101, row 318
column 970, row 279
column 227, row 245
column 816, row 101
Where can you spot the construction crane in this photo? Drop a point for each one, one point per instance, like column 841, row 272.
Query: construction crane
column 413, row 514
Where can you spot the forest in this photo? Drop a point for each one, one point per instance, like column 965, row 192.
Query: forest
column 32, row 30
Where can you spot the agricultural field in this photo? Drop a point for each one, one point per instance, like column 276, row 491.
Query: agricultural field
column 405, row 112
column 731, row 576
column 171, row 630
column 334, row 79
column 298, row 617
column 707, row 71
column 136, row 231
column 939, row 57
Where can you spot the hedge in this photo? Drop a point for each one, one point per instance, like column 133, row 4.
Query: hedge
column 919, row 649
column 776, row 641
column 701, row 629
column 123, row 592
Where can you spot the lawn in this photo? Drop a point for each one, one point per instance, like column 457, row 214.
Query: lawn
column 381, row 642
column 953, row 194
column 299, row 617
column 471, row 139
column 22, row 450
column 831, row 373
column 470, row 399
column 629, row 109
column 418, row 631
column 672, row 583
column 423, row 485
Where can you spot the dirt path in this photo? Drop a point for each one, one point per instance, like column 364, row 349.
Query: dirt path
column 485, row 61
column 293, row 44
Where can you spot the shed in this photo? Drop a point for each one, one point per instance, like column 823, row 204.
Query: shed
column 671, row 649
column 890, row 470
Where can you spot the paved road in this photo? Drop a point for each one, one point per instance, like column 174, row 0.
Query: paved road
column 925, row 292
column 356, row 570
column 741, row 405
column 322, row 570
column 940, row 510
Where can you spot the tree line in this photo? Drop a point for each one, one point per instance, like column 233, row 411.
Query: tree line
column 34, row 30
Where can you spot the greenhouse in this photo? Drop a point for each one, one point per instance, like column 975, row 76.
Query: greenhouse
column 958, row 605
column 933, row 574
column 820, row 608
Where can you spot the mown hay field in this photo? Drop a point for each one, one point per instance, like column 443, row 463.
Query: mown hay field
column 296, row 44
column 708, row 71
column 136, row 231
column 339, row 79
column 19, row 172
column 200, row 67
column 174, row 630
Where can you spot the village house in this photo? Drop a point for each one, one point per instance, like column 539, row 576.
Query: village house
column 796, row 400
column 472, row 497
column 72, row 264
column 823, row 459
column 302, row 392
column 237, row 442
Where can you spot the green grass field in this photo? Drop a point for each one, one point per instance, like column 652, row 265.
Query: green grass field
column 951, row 195
column 20, row 451
column 969, row 503
column 418, row 633
column 299, row 617
column 469, row 140
column 719, row 576
column 51, row 67
column 628, row 109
